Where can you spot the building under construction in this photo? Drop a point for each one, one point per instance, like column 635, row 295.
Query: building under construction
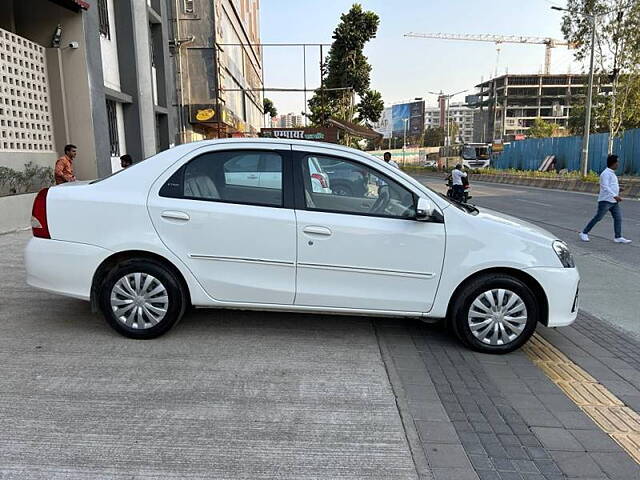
column 511, row 103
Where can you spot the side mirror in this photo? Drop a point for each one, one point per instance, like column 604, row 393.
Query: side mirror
column 424, row 209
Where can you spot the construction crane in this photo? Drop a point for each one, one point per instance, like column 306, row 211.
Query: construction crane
column 549, row 43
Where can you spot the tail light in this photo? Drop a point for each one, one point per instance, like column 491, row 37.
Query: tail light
column 39, row 225
column 321, row 179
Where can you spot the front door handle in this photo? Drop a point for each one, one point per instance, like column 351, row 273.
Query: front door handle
column 316, row 230
column 175, row 215
column 252, row 177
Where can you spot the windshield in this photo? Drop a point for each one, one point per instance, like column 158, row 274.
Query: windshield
column 469, row 153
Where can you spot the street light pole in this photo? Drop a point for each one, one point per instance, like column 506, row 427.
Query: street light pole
column 447, row 98
column 584, row 161
column 404, row 145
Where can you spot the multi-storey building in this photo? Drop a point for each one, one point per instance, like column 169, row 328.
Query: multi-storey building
column 290, row 120
column 218, row 68
column 460, row 114
column 93, row 73
column 510, row 104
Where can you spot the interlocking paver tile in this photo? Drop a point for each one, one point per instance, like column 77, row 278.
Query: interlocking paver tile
column 557, row 439
column 576, row 464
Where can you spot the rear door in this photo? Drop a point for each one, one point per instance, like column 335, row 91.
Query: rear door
column 238, row 239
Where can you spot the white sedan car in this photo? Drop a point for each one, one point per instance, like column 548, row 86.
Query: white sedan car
column 176, row 231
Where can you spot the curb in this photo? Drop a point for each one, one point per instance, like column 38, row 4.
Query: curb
column 630, row 189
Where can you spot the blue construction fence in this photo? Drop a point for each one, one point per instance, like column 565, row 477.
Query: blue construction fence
column 529, row 154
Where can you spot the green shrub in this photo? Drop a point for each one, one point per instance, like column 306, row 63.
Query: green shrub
column 32, row 178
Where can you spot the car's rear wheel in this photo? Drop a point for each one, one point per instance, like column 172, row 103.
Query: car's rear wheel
column 141, row 299
column 495, row 313
column 341, row 189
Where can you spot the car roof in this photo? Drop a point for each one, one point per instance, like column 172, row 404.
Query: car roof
column 283, row 141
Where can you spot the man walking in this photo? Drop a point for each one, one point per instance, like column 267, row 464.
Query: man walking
column 608, row 201
column 64, row 165
column 387, row 158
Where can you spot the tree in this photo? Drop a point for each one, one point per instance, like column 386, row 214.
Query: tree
column 434, row 137
column 543, row 129
column 617, row 53
column 269, row 108
column 346, row 68
column 602, row 107
column 370, row 107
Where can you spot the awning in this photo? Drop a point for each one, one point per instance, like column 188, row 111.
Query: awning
column 354, row 129
column 74, row 5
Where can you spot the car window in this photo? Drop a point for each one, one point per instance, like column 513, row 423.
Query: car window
column 242, row 164
column 353, row 188
column 272, row 164
column 231, row 176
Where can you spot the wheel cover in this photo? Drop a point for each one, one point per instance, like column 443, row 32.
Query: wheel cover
column 139, row 300
column 497, row 317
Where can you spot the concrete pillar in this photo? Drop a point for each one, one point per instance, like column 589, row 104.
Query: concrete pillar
column 142, row 50
column 58, row 98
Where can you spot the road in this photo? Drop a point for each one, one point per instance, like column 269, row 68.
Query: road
column 610, row 272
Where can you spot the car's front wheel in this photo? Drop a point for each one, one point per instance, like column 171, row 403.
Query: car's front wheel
column 141, row 299
column 495, row 313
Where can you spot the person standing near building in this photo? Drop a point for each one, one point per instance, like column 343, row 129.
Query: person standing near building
column 126, row 161
column 64, row 165
column 608, row 201
column 387, row 158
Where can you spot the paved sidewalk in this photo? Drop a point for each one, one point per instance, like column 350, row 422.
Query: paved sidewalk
column 494, row 417
column 232, row 395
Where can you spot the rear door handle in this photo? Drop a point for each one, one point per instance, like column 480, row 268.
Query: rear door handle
column 174, row 215
column 316, row 230
column 252, row 177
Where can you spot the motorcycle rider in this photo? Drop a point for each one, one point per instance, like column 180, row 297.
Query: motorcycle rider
column 456, row 179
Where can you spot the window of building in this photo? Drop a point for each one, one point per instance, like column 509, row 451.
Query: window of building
column 188, row 6
column 112, row 119
column 103, row 18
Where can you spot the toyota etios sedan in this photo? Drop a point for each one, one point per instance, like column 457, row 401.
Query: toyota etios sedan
column 254, row 224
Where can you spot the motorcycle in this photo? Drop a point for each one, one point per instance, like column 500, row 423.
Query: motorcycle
column 465, row 196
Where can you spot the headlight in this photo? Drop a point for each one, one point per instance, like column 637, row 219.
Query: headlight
column 562, row 250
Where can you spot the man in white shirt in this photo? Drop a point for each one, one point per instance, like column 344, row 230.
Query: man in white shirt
column 387, row 158
column 456, row 180
column 608, row 201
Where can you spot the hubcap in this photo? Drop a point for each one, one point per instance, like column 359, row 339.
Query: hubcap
column 139, row 300
column 497, row 317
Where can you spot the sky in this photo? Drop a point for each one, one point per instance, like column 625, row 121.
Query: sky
column 406, row 68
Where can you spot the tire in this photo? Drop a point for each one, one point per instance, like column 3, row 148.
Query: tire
column 162, row 306
column 498, row 329
column 342, row 189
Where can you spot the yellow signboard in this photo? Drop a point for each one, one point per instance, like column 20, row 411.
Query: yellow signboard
column 206, row 114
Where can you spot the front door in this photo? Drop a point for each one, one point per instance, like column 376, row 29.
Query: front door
column 233, row 232
column 363, row 250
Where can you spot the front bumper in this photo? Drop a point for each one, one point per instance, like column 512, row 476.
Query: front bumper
column 561, row 288
column 66, row 268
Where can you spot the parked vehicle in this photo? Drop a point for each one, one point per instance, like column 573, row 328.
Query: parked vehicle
column 265, row 171
column 176, row 231
column 345, row 179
